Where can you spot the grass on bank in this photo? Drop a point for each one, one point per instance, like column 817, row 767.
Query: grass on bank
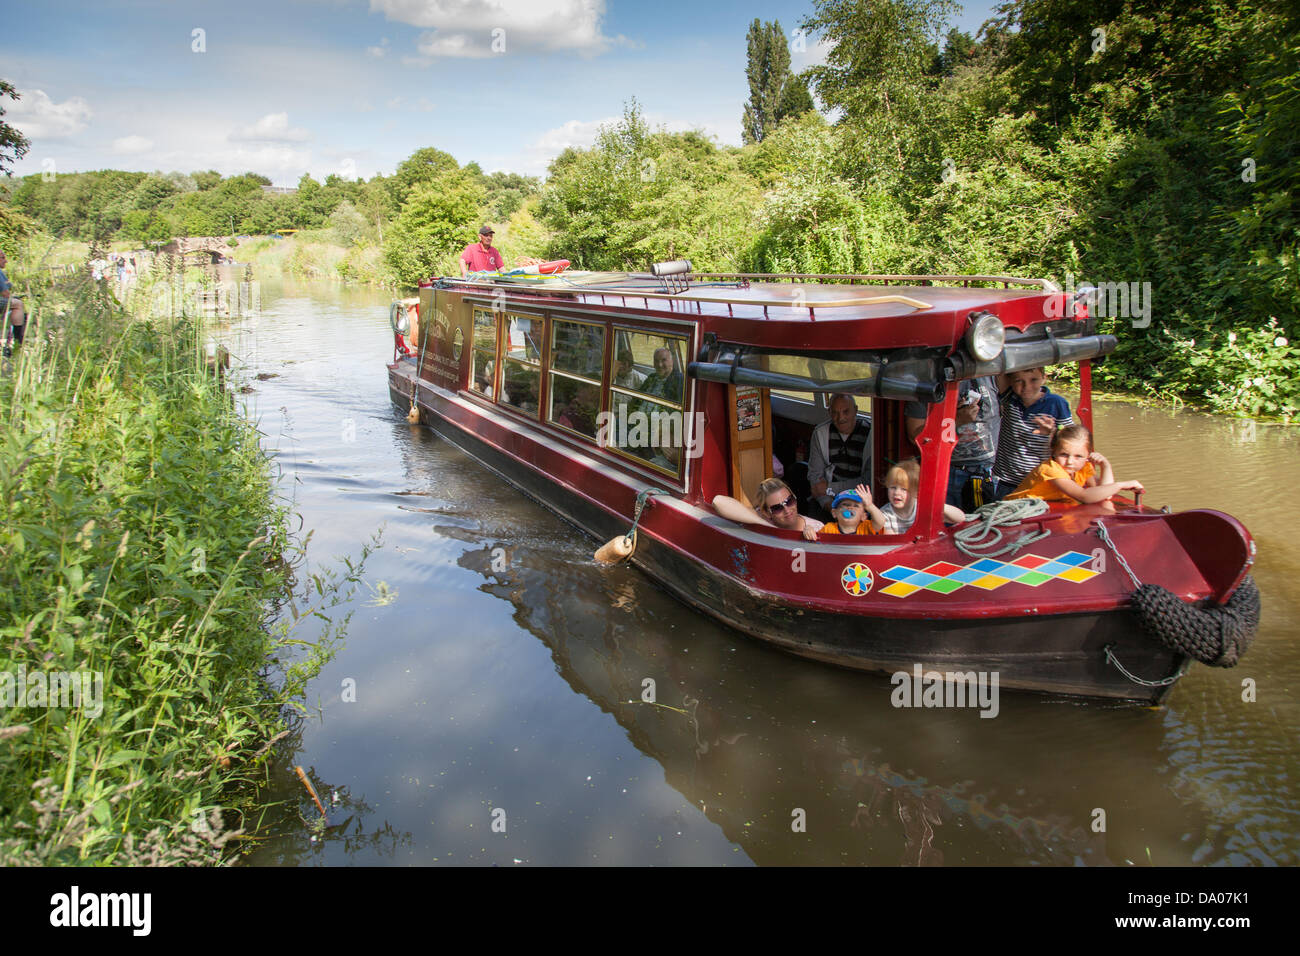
column 140, row 539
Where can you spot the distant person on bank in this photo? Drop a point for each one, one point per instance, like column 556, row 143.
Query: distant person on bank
column 481, row 256
column 15, row 321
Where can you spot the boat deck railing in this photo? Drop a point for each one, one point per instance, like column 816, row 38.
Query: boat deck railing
column 690, row 295
column 1047, row 285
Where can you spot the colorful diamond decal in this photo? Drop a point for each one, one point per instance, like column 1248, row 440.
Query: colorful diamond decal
column 857, row 579
column 987, row 574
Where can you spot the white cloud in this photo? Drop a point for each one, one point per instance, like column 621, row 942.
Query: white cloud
column 481, row 28
column 39, row 117
column 378, row 52
column 132, row 144
column 814, row 54
column 271, row 128
column 578, row 134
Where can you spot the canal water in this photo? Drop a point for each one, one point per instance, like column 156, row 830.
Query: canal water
column 486, row 707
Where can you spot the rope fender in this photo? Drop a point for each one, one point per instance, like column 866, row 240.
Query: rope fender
column 1217, row 636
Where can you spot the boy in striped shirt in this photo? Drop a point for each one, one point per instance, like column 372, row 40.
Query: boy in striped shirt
column 1030, row 418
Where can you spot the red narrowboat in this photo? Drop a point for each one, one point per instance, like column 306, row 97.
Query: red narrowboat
column 627, row 401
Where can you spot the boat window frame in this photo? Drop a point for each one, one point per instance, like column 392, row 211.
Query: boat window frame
column 476, row 350
column 550, row 373
column 539, row 364
column 682, row 407
column 687, row 331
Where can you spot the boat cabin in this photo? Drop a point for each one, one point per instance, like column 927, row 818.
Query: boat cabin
column 695, row 383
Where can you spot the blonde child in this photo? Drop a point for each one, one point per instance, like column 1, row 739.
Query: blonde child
column 899, row 512
column 1074, row 472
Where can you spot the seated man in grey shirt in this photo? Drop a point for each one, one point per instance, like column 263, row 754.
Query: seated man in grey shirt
column 839, row 458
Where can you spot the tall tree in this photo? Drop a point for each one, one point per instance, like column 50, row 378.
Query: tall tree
column 773, row 92
column 13, row 144
column 876, row 70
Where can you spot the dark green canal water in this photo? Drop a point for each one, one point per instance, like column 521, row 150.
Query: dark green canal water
column 498, row 674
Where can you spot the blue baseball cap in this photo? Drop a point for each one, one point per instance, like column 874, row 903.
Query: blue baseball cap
column 847, row 496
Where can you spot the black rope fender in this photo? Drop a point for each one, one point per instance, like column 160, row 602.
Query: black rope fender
column 1214, row 635
column 1217, row 636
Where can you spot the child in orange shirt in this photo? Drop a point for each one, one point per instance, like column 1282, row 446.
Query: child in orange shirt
column 1071, row 474
column 850, row 510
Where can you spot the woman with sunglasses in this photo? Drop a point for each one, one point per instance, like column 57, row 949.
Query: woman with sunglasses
column 776, row 509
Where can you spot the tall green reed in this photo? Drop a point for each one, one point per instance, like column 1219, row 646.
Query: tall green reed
column 141, row 540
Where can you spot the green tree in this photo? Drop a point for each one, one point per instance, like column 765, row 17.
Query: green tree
column 13, row 144
column 349, row 226
column 773, row 92
column 433, row 227
column 422, row 167
column 638, row 196
column 876, row 71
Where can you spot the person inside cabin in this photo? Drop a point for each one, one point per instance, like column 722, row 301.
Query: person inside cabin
column 481, row 256
column 1031, row 414
column 854, row 513
column 626, row 375
column 15, row 321
column 777, row 508
column 840, row 456
column 979, row 419
column 666, row 380
column 1074, row 473
column 580, row 412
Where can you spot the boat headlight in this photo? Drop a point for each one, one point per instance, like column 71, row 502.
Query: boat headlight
column 986, row 336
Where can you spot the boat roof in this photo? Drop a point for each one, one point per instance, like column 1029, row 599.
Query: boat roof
column 850, row 312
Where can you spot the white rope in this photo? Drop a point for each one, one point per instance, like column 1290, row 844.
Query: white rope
column 978, row 540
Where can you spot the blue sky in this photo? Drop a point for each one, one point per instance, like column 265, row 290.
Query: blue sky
column 353, row 87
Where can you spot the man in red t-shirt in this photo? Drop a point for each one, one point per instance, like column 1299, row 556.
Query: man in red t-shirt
column 481, row 256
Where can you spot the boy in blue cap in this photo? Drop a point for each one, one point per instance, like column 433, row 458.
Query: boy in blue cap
column 850, row 510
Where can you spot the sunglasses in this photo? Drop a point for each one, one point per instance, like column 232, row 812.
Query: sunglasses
column 781, row 505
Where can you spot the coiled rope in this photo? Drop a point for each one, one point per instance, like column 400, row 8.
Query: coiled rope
column 978, row 540
column 1216, row 636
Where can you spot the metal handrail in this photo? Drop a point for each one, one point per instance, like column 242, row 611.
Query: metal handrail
column 688, row 295
column 729, row 302
column 1047, row 285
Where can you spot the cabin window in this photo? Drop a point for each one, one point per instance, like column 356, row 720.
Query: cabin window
column 647, row 393
column 577, row 367
column 657, row 364
column 521, row 367
column 482, row 377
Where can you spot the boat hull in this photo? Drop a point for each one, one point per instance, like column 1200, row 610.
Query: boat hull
column 1064, row 653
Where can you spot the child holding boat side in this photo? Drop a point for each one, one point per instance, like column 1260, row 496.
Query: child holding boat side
column 899, row 512
column 1074, row 473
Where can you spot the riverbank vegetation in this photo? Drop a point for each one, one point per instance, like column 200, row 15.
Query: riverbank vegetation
column 1141, row 147
column 143, row 553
